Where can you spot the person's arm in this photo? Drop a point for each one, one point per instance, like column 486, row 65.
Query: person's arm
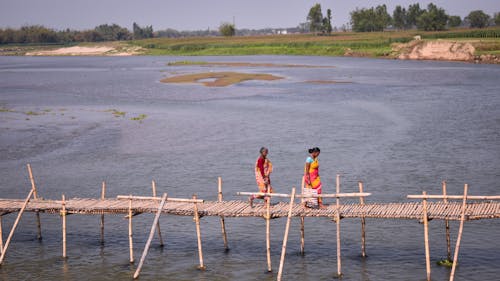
column 306, row 173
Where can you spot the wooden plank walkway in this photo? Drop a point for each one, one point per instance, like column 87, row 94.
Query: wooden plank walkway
column 406, row 210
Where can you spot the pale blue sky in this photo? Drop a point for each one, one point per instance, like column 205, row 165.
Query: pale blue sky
column 199, row 14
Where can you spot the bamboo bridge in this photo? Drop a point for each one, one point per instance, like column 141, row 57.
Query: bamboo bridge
column 482, row 207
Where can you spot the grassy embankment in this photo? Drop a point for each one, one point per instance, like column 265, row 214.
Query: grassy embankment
column 370, row 44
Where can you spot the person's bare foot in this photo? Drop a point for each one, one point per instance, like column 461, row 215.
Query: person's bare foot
column 321, row 206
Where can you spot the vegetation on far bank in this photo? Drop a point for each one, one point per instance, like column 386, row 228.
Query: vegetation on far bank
column 371, row 44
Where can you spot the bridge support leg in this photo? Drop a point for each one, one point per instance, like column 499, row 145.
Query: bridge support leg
column 63, row 215
column 337, row 221
column 447, row 227
column 222, row 222
column 363, row 233
column 198, row 234
column 426, row 238
column 103, row 195
column 130, row 234
column 268, row 234
column 302, row 221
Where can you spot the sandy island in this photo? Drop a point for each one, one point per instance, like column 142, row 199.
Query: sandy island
column 90, row 51
column 219, row 79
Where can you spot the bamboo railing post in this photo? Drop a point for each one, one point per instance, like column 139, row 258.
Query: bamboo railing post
column 151, row 234
column 222, row 222
column 130, row 234
column 7, row 242
column 63, row 215
column 198, row 233
column 285, row 238
column 103, row 196
column 153, row 186
column 460, row 230
column 302, row 220
column 35, row 196
column 447, row 226
column 337, row 221
column 268, row 234
column 426, row 238
column 363, row 233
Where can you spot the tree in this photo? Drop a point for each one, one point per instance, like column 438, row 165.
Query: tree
column 432, row 19
column 227, row 29
column 373, row 19
column 454, row 21
column 315, row 18
column 478, row 19
column 399, row 17
column 327, row 22
column 413, row 13
column 142, row 32
column 497, row 19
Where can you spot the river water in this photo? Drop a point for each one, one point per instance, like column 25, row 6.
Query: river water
column 400, row 126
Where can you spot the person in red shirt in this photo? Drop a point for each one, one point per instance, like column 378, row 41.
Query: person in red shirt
column 263, row 168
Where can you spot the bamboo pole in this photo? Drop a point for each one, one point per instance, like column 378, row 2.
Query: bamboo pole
column 472, row 197
column 153, row 186
column 363, row 233
column 460, row 230
column 7, row 242
column 151, row 234
column 447, row 225
column 285, row 238
column 63, row 215
column 35, row 196
column 337, row 221
column 198, row 234
column 222, row 221
column 268, row 234
column 302, row 220
column 426, row 238
column 130, row 234
column 103, row 196
column 182, row 200
column 1, row 236
column 284, row 195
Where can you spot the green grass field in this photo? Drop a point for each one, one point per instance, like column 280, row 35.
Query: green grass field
column 370, row 44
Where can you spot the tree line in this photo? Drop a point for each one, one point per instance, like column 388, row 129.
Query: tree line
column 433, row 18
column 35, row 34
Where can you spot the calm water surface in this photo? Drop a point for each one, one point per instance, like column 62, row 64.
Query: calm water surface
column 400, row 126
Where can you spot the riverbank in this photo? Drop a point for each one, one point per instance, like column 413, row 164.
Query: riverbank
column 470, row 45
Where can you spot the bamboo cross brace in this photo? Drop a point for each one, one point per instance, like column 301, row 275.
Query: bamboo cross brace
column 151, row 234
column 7, row 242
column 460, row 230
column 285, row 238
column 153, row 186
column 35, row 196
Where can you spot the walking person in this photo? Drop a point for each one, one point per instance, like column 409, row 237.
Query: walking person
column 263, row 169
column 311, row 174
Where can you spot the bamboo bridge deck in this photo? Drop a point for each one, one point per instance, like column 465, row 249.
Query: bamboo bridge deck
column 405, row 210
